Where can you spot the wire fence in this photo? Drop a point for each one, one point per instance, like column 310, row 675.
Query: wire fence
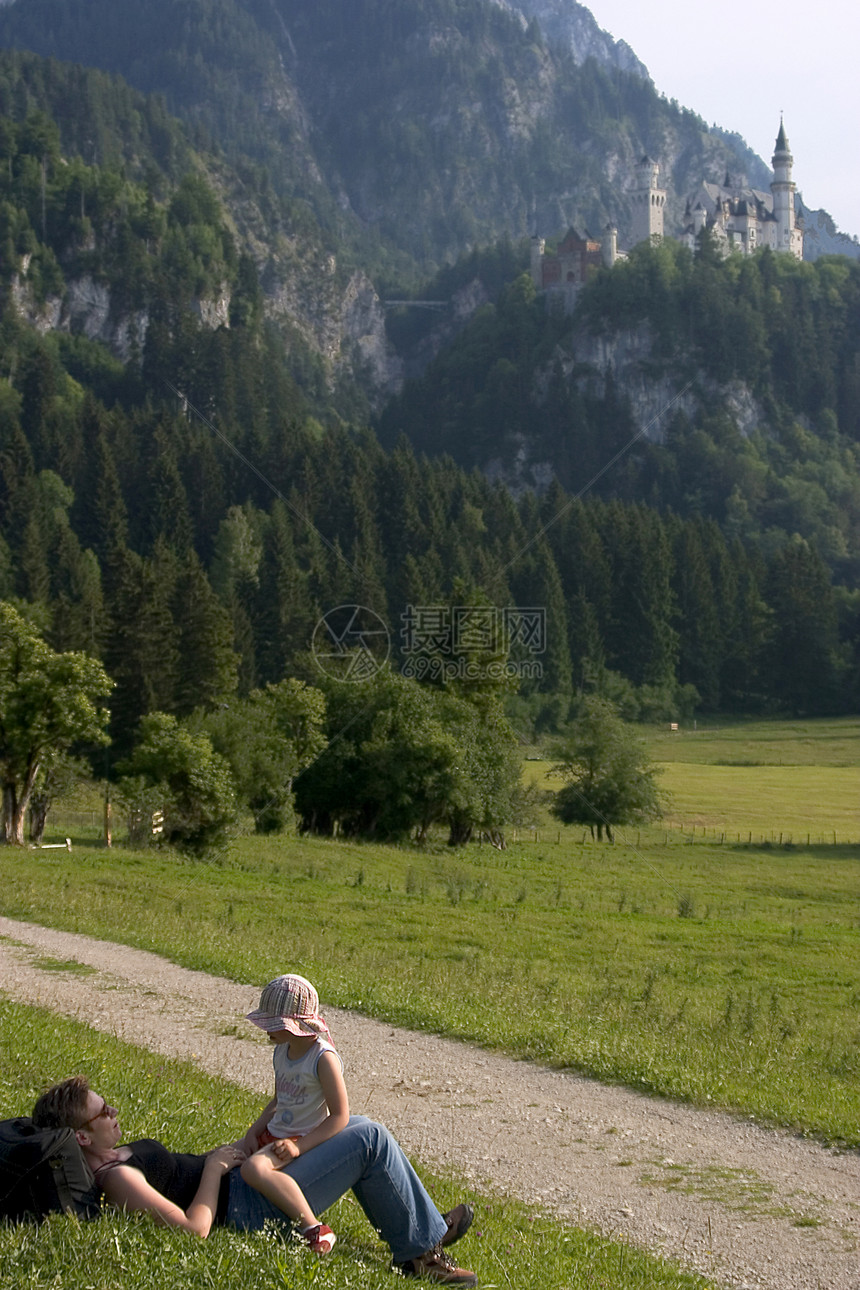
column 690, row 834
column 89, row 826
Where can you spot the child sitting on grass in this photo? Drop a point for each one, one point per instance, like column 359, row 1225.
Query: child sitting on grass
column 310, row 1103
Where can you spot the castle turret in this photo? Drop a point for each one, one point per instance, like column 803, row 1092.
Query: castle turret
column 788, row 236
column 648, row 200
column 537, row 249
column 609, row 247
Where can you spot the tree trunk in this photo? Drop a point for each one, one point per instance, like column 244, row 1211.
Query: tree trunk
column 39, row 806
column 13, row 817
column 461, row 832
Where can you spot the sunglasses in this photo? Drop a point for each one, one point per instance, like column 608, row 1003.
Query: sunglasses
column 104, row 1113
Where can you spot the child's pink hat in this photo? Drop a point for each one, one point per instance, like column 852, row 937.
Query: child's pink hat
column 290, row 1003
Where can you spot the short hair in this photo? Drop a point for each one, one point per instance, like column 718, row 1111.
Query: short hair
column 63, row 1105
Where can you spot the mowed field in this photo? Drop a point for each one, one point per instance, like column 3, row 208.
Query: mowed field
column 726, row 974
column 797, row 779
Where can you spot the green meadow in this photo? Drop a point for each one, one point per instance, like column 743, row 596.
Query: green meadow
column 722, row 974
column 769, row 778
column 680, row 961
column 509, row 1245
column 798, row 779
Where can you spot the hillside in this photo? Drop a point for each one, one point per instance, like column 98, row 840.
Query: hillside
column 94, row 130
column 189, row 357
column 728, row 387
column 412, row 138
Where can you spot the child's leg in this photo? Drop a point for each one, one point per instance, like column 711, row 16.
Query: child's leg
column 262, row 1171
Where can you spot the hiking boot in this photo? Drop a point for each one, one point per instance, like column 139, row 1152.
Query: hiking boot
column 319, row 1239
column 436, row 1266
column 459, row 1220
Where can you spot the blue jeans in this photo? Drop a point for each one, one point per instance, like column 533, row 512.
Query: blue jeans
column 363, row 1157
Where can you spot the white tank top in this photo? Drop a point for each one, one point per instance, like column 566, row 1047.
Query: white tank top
column 301, row 1101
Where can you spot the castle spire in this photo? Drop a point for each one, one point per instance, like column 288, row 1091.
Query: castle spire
column 789, row 237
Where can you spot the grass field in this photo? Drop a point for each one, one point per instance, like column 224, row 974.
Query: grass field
column 797, row 779
column 830, row 741
column 508, row 1245
column 723, row 973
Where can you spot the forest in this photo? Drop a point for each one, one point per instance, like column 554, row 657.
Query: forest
column 186, row 504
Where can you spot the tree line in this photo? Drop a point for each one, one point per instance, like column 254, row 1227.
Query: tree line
column 779, row 335
column 387, row 759
column 185, row 519
column 196, row 564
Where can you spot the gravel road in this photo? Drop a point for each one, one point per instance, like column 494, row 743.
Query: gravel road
column 743, row 1205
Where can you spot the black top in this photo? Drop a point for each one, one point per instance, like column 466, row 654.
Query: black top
column 174, row 1173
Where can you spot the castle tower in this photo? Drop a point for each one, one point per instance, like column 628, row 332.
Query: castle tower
column 609, row 247
column 648, row 201
column 538, row 246
column 788, row 236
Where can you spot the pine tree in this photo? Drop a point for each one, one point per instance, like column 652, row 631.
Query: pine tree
column 169, row 516
column 802, row 657
column 284, row 617
column 141, row 648
column 206, row 672
column 699, row 632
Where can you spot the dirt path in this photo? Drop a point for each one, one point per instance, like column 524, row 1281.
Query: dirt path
column 746, row 1206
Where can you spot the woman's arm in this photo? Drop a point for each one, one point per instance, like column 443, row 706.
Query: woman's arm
column 330, row 1077
column 126, row 1187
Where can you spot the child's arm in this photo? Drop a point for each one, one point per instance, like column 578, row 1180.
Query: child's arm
column 251, row 1139
column 331, row 1078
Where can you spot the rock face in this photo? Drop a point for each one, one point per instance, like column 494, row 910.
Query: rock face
column 86, row 307
column 338, row 317
column 652, row 392
column 653, row 398
column 575, row 26
column 821, row 236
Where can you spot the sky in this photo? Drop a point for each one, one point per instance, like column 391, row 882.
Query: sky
column 739, row 66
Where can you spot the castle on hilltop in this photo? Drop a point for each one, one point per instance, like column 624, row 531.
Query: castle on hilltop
column 745, row 219
column 739, row 218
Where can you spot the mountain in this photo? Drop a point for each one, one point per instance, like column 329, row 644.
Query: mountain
column 328, row 315
column 719, row 387
column 187, row 321
column 411, row 133
column 573, row 25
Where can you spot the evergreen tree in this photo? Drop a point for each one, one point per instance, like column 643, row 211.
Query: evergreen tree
column 802, row 658
column 699, row 630
column 206, row 672
column 284, row 616
column 141, row 647
column 169, row 516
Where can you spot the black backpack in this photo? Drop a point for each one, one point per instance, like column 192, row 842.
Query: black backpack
column 42, row 1171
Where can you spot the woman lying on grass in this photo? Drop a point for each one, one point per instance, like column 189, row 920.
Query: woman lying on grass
column 195, row 1191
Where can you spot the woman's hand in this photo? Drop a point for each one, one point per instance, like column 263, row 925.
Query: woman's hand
column 227, row 1157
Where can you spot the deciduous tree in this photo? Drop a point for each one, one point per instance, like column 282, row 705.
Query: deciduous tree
column 193, row 782
column 48, row 703
column 609, row 779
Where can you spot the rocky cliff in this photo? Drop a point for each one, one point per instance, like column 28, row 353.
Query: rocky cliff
column 574, row 26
